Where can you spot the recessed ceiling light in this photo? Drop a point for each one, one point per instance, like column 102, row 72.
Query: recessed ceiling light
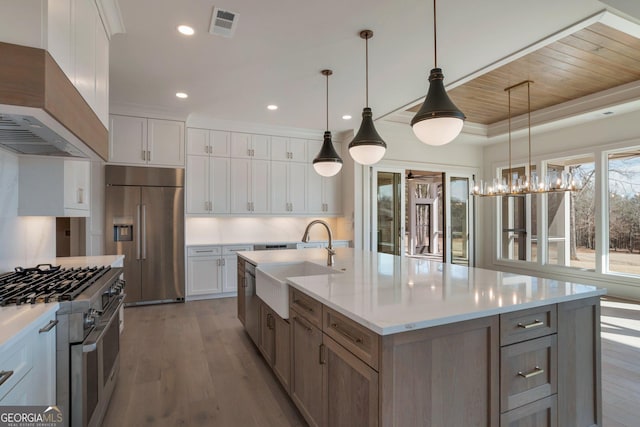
column 272, row 107
column 182, row 95
column 186, row 30
column 346, row 117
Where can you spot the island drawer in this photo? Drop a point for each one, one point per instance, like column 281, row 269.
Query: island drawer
column 541, row 413
column 528, row 372
column 528, row 324
column 308, row 307
column 359, row 340
column 16, row 361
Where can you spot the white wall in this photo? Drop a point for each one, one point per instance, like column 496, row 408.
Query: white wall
column 26, row 241
column 615, row 131
column 405, row 151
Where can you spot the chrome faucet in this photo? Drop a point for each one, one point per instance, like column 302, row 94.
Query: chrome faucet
column 305, row 239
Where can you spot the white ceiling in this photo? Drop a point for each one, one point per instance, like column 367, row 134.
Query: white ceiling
column 280, row 46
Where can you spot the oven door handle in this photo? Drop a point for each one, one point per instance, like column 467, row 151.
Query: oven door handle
column 91, row 342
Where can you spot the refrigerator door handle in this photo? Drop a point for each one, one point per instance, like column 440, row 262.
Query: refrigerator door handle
column 137, row 232
column 144, row 231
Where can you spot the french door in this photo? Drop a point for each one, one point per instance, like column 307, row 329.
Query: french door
column 388, row 211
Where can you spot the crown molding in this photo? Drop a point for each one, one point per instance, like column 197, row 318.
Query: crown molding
column 111, row 16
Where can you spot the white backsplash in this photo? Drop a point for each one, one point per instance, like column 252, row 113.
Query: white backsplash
column 201, row 231
column 26, row 241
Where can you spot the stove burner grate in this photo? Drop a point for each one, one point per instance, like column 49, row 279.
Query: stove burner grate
column 46, row 283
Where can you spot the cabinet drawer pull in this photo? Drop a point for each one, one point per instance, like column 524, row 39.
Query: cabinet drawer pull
column 49, row 326
column 536, row 371
column 4, row 376
column 301, row 304
column 341, row 330
column 536, row 323
column 307, row 328
column 323, row 357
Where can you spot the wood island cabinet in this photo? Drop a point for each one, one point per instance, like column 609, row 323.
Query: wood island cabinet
column 536, row 367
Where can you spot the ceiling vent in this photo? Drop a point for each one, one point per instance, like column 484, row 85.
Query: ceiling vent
column 223, row 22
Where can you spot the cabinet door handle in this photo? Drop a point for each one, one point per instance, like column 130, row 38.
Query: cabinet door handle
column 306, row 328
column 322, row 354
column 49, row 326
column 224, row 261
column 149, row 155
column 536, row 323
column 341, row 330
column 252, row 208
column 144, row 155
column 4, row 376
column 79, row 195
column 535, row 371
column 204, row 251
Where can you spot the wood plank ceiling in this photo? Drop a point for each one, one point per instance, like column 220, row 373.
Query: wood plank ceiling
column 588, row 61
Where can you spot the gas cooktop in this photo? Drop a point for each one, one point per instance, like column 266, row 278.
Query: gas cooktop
column 46, row 283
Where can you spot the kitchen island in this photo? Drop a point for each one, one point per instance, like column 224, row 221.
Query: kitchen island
column 384, row 340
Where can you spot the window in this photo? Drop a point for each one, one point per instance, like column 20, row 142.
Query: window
column 571, row 216
column 624, row 212
column 519, row 220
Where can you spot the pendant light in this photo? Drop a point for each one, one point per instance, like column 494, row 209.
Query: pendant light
column 367, row 147
column 438, row 121
column 327, row 162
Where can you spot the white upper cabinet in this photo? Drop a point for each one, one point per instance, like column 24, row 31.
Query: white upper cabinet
column 165, row 142
column 84, row 37
column 54, row 187
column 288, row 187
column 128, row 140
column 142, row 141
column 204, row 142
column 60, row 40
column 288, row 149
column 250, row 181
column 246, row 145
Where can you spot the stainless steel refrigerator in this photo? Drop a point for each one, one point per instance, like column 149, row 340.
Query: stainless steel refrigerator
column 144, row 220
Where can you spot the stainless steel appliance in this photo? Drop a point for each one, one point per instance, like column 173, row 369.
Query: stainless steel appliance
column 145, row 222
column 274, row 246
column 87, row 339
column 252, row 308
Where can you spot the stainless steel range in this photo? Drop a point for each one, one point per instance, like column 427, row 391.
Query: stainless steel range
column 88, row 338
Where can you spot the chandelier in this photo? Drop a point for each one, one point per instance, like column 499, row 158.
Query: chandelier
column 515, row 184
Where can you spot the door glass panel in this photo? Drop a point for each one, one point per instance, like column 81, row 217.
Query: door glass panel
column 388, row 212
column 459, row 221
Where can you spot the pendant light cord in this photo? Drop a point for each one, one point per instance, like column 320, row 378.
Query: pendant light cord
column 366, row 56
column 327, row 102
column 435, row 37
column 529, row 126
column 510, row 168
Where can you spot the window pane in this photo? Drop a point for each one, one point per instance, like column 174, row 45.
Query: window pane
column 571, row 216
column 519, row 220
column 624, row 212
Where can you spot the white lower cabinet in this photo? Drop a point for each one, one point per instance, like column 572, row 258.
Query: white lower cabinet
column 28, row 365
column 211, row 270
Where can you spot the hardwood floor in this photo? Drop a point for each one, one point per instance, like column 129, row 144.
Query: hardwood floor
column 620, row 329
column 192, row 364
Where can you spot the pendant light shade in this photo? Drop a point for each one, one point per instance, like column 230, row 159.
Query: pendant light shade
column 438, row 121
column 327, row 162
column 367, row 147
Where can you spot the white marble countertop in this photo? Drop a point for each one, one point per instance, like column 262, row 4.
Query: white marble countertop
column 389, row 294
column 14, row 320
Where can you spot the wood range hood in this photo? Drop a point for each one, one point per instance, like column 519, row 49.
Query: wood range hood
column 41, row 111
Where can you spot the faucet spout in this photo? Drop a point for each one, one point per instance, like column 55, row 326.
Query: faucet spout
column 330, row 250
